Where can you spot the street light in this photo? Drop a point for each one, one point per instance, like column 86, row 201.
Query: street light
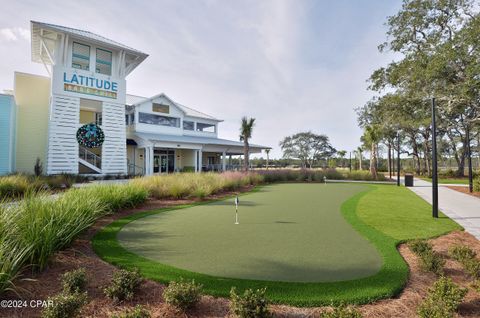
column 434, row 163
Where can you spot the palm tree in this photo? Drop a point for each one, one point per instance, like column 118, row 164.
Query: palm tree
column 360, row 151
column 341, row 154
column 371, row 137
column 245, row 134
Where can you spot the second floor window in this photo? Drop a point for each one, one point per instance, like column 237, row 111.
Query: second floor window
column 81, row 56
column 104, row 62
column 188, row 125
column 152, row 119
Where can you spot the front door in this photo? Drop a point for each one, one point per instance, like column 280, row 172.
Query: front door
column 156, row 163
column 163, row 163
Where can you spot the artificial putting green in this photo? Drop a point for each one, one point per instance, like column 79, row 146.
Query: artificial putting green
column 287, row 232
column 385, row 215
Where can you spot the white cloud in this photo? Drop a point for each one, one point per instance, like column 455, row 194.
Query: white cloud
column 14, row 34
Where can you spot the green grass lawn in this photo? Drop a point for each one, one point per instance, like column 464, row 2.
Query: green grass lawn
column 309, row 244
column 448, row 180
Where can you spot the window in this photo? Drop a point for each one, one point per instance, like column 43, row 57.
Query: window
column 81, row 56
column 188, row 125
column 132, row 118
column 98, row 119
column 160, row 108
column 104, row 62
column 158, row 120
column 205, row 127
column 129, row 119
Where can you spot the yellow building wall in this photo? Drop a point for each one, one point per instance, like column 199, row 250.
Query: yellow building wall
column 187, row 158
column 136, row 156
column 87, row 117
column 32, row 96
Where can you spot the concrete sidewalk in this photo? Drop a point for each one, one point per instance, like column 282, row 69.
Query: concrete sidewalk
column 461, row 207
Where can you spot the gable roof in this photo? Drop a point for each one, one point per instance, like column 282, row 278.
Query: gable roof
column 134, row 100
column 36, row 27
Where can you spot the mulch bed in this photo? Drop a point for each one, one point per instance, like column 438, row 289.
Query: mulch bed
column 464, row 190
column 81, row 254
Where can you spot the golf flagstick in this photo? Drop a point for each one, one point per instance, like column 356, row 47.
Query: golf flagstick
column 236, row 209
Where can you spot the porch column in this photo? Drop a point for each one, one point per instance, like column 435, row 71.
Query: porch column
column 200, row 155
column 149, row 161
column 196, row 159
column 224, row 161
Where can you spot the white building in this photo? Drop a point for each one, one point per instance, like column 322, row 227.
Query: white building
column 80, row 119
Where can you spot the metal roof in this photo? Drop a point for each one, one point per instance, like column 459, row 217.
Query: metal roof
column 36, row 27
column 195, row 140
column 133, row 100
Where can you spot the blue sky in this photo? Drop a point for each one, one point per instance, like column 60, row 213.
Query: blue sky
column 293, row 65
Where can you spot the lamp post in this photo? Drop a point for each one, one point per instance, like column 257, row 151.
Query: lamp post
column 469, row 154
column 350, row 161
column 398, row 158
column 434, row 163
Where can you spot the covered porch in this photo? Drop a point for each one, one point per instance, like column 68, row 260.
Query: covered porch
column 149, row 154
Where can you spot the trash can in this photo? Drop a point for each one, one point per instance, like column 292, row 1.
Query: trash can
column 408, row 180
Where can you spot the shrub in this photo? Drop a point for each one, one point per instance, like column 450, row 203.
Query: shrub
column 363, row 175
column 65, row 305
column 342, row 311
column 123, row 285
column 137, row 312
column 476, row 184
column 467, row 257
column 461, row 253
column 252, row 304
column 183, row 295
column 74, row 281
column 420, row 247
column 432, row 262
column 442, row 300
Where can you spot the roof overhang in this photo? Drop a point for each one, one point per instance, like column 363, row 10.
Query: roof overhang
column 44, row 36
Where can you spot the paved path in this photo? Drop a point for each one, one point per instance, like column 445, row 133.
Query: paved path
column 461, row 207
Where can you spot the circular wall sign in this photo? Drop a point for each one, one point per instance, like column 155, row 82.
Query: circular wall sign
column 90, row 135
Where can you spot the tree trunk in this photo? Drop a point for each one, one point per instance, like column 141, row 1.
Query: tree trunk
column 373, row 160
column 389, row 164
column 246, row 150
column 360, row 161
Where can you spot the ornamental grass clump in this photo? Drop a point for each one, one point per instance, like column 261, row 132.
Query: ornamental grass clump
column 252, row 304
column 183, row 295
column 442, row 300
column 123, row 285
column 14, row 186
column 47, row 225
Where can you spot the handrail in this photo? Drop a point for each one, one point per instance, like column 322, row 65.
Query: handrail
column 90, row 157
column 133, row 168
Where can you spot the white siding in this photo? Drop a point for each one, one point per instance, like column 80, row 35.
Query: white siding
column 114, row 149
column 62, row 142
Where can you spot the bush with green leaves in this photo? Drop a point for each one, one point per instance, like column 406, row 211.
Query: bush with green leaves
column 420, row 247
column 432, row 262
column 442, row 300
column 251, row 304
column 74, row 281
column 65, row 305
column 342, row 311
column 123, row 285
column 183, row 294
column 461, row 253
column 467, row 257
column 137, row 312
column 476, row 184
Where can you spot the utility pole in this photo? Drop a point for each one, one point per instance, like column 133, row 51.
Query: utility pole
column 434, row 163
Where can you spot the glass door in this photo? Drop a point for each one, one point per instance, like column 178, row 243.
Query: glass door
column 156, row 164
column 163, row 163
